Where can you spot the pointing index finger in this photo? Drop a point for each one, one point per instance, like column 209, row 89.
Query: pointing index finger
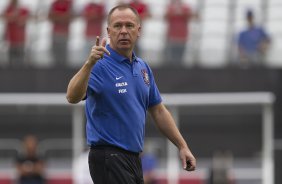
column 97, row 41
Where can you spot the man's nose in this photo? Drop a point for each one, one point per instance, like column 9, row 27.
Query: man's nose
column 123, row 29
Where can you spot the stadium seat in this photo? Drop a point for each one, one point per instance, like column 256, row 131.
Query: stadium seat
column 249, row 2
column 32, row 5
column 274, row 27
column 213, row 51
column 274, row 56
column 3, row 5
column 40, row 48
column 274, row 2
column 157, row 8
column 215, row 13
column 192, row 3
column 219, row 28
column 76, row 45
column 2, row 29
column 274, row 12
column 152, row 41
column 217, row 2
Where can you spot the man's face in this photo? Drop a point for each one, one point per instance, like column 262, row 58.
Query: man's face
column 123, row 30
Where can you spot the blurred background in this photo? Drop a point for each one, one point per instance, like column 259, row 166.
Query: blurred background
column 216, row 48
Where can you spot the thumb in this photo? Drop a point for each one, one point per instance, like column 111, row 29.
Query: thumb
column 104, row 42
column 184, row 164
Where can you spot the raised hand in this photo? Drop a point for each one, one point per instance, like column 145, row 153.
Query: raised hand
column 97, row 51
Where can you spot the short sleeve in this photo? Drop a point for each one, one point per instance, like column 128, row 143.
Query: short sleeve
column 95, row 81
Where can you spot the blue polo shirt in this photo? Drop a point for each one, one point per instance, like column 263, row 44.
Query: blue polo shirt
column 118, row 96
column 250, row 39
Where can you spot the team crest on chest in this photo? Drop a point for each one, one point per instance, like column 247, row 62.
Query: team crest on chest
column 145, row 76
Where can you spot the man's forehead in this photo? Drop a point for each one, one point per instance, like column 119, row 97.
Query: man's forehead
column 123, row 11
column 123, row 15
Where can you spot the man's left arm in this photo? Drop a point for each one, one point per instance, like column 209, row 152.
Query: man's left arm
column 167, row 126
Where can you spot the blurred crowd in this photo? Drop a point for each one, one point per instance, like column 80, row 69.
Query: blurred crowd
column 252, row 43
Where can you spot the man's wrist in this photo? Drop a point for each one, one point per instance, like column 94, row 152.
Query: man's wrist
column 183, row 146
column 90, row 63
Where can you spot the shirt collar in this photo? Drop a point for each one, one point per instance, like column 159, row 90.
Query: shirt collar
column 116, row 56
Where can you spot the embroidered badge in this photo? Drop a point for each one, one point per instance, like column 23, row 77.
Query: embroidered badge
column 145, row 76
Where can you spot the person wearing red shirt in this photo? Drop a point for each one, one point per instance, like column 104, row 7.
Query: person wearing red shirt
column 94, row 15
column 178, row 16
column 141, row 8
column 61, row 15
column 144, row 13
column 16, row 18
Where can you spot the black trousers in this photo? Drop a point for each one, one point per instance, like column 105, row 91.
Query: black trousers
column 112, row 165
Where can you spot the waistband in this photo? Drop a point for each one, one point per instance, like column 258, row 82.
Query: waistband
column 114, row 148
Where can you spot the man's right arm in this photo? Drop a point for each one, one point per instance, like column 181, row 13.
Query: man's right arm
column 77, row 86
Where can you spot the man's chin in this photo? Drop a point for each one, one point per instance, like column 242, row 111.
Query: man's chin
column 124, row 47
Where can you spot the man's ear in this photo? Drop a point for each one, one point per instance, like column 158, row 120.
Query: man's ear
column 139, row 31
column 108, row 32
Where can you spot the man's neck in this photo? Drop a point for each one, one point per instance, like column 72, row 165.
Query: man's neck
column 126, row 53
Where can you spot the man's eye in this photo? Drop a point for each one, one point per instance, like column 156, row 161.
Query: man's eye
column 130, row 26
column 117, row 26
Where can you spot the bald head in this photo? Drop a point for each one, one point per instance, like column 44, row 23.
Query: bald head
column 120, row 8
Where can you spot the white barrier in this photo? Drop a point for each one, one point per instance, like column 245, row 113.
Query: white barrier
column 174, row 101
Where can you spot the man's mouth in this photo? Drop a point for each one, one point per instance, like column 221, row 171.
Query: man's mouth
column 124, row 40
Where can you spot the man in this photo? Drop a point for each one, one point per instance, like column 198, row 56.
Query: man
column 30, row 166
column 60, row 15
column 119, row 88
column 142, row 9
column 253, row 43
column 178, row 16
column 16, row 18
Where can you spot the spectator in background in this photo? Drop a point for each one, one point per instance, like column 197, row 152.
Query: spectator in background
column 253, row 43
column 16, row 18
column 30, row 166
column 94, row 15
column 61, row 15
column 220, row 170
column 144, row 13
column 142, row 9
column 177, row 16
